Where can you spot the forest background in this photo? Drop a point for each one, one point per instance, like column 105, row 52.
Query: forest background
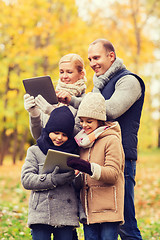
column 34, row 35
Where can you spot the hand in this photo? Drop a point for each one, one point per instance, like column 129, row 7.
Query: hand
column 79, row 164
column 62, row 178
column 30, row 105
column 43, row 105
column 63, row 96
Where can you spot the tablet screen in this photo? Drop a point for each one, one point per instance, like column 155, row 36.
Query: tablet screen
column 41, row 85
column 57, row 158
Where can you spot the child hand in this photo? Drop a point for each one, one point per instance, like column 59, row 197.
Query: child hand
column 79, row 164
column 62, row 178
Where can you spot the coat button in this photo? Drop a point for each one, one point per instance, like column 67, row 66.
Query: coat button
column 69, row 200
column 42, row 177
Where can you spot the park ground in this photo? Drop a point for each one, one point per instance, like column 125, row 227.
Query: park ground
column 14, row 199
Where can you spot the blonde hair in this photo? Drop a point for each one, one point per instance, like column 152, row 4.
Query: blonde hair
column 76, row 59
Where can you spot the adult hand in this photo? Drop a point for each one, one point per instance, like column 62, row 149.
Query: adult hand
column 43, row 105
column 79, row 164
column 63, row 96
column 62, row 178
column 30, row 105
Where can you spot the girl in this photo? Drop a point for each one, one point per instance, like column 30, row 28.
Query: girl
column 102, row 161
column 53, row 203
column 71, row 86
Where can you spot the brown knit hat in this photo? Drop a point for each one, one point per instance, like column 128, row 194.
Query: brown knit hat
column 93, row 106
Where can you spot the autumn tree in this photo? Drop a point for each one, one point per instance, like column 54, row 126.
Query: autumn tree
column 34, row 35
column 129, row 26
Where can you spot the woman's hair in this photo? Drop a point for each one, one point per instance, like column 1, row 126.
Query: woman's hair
column 76, row 59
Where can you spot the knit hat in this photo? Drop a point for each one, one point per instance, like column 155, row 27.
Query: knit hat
column 61, row 120
column 93, row 106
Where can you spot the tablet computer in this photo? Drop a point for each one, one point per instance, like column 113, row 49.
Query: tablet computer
column 41, row 85
column 57, row 158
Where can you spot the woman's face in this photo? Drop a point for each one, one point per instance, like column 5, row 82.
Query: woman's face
column 58, row 138
column 89, row 124
column 68, row 73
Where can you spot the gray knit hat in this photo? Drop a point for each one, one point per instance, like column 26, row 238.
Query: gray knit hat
column 93, row 106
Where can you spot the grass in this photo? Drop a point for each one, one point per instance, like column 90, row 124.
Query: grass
column 14, row 199
column 147, row 194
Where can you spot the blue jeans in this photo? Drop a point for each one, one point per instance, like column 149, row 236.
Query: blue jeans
column 101, row 231
column 129, row 231
column 43, row 232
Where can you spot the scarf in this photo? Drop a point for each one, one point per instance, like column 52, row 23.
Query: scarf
column 101, row 81
column 87, row 141
column 75, row 89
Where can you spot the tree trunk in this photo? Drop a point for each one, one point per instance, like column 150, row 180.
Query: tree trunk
column 4, row 146
column 159, row 138
column 15, row 144
column 21, row 146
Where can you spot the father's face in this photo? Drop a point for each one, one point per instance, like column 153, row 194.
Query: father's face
column 100, row 60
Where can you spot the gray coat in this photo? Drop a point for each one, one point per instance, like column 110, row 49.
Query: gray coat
column 48, row 204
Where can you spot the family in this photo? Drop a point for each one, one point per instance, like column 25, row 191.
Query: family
column 101, row 126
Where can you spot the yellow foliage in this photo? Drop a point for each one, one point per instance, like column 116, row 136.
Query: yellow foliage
column 36, row 34
column 9, row 132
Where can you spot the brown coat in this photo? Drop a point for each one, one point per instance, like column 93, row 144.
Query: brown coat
column 103, row 200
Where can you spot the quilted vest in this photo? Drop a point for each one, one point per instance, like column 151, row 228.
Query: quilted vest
column 130, row 120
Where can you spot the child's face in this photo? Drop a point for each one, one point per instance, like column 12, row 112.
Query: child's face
column 58, row 138
column 89, row 124
column 68, row 73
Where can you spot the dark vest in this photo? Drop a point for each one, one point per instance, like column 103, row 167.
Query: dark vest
column 130, row 120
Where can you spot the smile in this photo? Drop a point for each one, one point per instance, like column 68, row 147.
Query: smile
column 96, row 69
column 58, row 143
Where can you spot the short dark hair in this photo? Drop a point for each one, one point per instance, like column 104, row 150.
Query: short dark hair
column 106, row 44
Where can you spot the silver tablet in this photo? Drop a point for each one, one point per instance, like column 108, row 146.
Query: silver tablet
column 41, row 85
column 57, row 158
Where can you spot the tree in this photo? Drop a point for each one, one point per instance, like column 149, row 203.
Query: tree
column 30, row 46
column 35, row 34
column 129, row 25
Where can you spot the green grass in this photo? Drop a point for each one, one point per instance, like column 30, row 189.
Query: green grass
column 147, row 194
column 14, row 199
column 13, row 222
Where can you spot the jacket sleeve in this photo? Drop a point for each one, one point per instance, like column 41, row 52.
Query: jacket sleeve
column 31, row 178
column 114, row 161
column 36, row 124
column 75, row 101
column 127, row 92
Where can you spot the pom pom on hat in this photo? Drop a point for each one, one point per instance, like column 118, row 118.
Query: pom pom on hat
column 93, row 106
column 62, row 120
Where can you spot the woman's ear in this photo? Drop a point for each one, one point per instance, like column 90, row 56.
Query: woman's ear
column 82, row 74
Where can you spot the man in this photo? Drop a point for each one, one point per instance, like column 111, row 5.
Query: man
column 124, row 94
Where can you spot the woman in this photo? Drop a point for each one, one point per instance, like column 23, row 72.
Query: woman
column 71, row 85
